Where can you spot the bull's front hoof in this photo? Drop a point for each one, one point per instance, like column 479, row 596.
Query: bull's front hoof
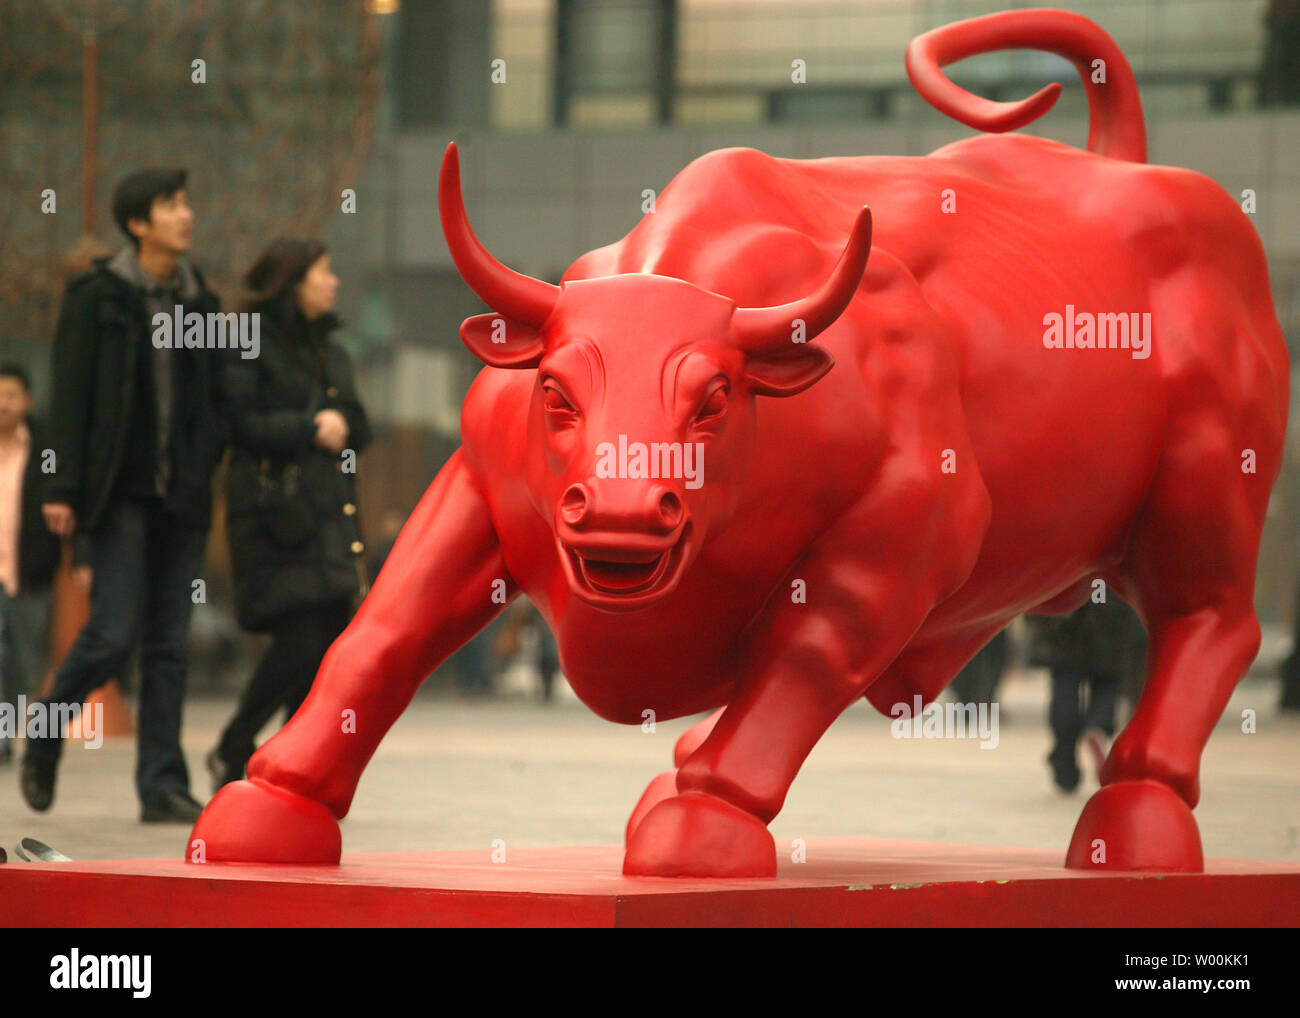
column 1136, row 825
column 255, row 821
column 663, row 786
column 699, row 835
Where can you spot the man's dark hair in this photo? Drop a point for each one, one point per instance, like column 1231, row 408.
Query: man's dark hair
column 12, row 369
column 135, row 194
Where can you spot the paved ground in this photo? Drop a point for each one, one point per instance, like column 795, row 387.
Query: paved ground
column 458, row 774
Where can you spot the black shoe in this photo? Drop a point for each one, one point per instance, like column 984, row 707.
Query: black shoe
column 1065, row 776
column 223, row 771
column 36, row 779
column 173, row 808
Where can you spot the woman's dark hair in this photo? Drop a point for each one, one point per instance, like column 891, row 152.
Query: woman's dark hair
column 269, row 284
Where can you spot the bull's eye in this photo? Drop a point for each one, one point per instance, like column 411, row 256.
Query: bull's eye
column 713, row 407
column 555, row 401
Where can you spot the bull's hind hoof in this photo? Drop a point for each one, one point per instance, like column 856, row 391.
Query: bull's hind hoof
column 254, row 821
column 699, row 835
column 1136, row 825
column 662, row 786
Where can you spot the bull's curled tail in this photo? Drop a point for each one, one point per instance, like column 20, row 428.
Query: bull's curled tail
column 1116, row 127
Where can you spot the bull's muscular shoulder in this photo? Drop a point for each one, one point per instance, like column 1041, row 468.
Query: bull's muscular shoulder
column 721, row 186
column 496, row 405
column 729, row 222
column 907, row 347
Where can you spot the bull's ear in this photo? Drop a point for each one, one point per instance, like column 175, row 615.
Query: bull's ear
column 786, row 376
column 502, row 342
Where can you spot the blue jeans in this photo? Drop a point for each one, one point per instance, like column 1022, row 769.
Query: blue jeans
column 145, row 564
column 24, row 646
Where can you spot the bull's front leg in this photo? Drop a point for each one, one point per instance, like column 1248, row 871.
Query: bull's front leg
column 869, row 583
column 803, row 666
column 664, row 784
column 433, row 594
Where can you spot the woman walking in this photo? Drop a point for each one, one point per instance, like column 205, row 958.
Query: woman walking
column 297, row 425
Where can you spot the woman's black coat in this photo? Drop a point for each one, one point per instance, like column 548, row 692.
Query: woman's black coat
column 272, row 401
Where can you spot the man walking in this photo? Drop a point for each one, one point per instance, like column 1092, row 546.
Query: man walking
column 1097, row 650
column 29, row 553
column 136, row 433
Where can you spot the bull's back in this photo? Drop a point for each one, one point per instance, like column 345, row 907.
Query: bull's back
column 991, row 257
column 1069, row 440
column 997, row 233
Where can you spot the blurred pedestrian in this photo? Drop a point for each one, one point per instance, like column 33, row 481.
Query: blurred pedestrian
column 472, row 664
column 390, row 525
column 1092, row 654
column 524, row 627
column 1279, row 73
column 297, row 425
column 29, row 553
column 1290, row 668
column 136, row 434
column 978, row 681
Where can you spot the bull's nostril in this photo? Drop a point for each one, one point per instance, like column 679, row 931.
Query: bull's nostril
column 573, row 503
column 670, row 509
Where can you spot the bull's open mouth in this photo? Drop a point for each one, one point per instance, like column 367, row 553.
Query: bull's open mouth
column 623, row 577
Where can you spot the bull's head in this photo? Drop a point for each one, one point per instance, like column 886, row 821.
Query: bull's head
column 638, row 376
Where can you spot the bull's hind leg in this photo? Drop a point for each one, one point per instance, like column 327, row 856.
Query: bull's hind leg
column 1191, row 572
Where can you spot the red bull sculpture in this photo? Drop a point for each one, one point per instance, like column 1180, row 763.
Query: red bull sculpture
column 772, row 453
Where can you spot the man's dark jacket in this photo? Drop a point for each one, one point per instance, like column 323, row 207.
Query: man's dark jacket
column 38, row 549
column 103, row 379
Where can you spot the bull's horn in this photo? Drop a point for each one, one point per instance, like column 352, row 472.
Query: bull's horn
column 759, row 330
column 519, row 297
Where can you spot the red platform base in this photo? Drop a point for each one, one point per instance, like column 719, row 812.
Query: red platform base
column 844, row 882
